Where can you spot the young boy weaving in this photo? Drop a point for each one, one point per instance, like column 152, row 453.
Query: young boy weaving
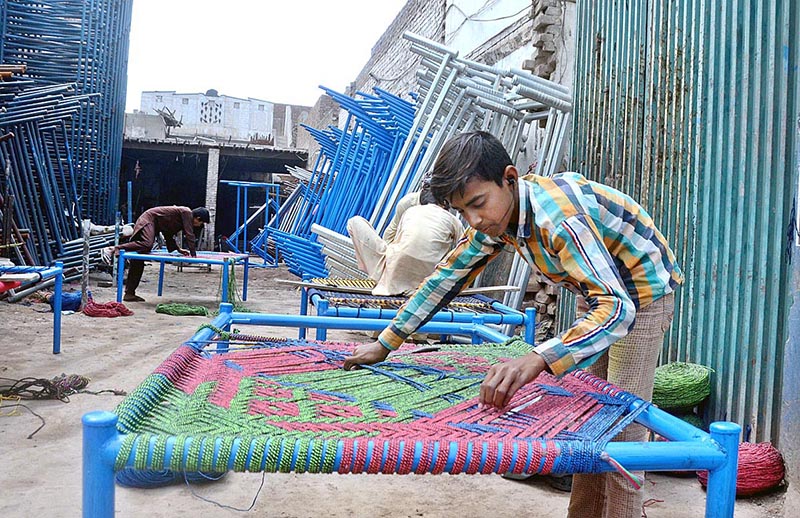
column 587, row 237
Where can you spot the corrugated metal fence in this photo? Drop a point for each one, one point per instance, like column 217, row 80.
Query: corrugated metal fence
column 691, row 107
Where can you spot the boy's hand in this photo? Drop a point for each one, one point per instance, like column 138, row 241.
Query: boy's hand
column 183, row 251
column 366, row 354
column 504, row 379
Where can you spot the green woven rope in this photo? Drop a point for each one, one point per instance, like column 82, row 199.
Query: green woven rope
column 681, row 385
column 233, row 292
column 179, row 309
column 223, row 335
column 172, row 412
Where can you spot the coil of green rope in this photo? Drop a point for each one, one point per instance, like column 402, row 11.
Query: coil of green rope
column 680, row 385
column 179, row 309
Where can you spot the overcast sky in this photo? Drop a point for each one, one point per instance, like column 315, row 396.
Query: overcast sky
column 276, row 50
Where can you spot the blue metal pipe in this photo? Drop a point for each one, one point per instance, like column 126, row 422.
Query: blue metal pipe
column 100, row 443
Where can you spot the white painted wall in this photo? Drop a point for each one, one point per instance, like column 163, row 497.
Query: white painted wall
column 213, row 116
column 469, row 23
column 141, row 125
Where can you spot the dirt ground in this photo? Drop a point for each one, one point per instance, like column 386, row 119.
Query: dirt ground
column 41, row 476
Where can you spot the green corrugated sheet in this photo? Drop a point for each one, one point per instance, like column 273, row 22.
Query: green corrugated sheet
column 691, row 107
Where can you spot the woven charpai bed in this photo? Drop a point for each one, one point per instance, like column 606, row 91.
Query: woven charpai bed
column 331, row 299
column 226, row 401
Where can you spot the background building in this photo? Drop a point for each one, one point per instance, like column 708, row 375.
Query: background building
column 222, row 117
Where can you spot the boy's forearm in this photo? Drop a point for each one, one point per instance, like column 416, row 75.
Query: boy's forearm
column 603, row 325
column 462, row 266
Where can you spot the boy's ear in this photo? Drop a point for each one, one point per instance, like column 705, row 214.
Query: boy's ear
column 511, row 174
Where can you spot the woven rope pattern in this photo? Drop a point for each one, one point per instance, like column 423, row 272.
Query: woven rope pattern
column 341, row 282
column 289, row 406
column 359, row 300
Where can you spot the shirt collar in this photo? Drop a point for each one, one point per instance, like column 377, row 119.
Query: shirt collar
column 523, row 223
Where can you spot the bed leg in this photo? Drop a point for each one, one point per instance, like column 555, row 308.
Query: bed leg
column 721, row 493
column 99, row 428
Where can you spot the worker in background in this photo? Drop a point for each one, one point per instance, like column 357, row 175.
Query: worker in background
column 419, row 236
column 168, row 221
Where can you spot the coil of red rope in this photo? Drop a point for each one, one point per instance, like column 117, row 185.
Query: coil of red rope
column 761, row 468
column 106, row 309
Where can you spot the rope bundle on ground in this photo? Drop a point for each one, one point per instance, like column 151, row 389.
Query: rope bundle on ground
column 179, row 309
column 761, row 468
column 60, row 387
column 694, row 420
column 106, row 309
column 151, row 479
column 680, row 385
column 70, row 301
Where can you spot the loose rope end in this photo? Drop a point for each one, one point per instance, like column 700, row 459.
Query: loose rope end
column 634, row 480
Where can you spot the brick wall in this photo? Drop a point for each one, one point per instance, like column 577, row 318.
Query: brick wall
column 391, row 66
column 547, row 28
column 324, row 113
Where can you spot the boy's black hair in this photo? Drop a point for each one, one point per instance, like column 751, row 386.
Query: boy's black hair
column 464, row 157
column 202, row 213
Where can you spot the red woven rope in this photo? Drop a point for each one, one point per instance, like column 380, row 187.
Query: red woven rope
column 106, row 309
column 760, row 468
column 424, row 463
column 391, row 457
column 347, row 455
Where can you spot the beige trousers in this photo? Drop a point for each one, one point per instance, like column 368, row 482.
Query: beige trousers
column 629, row 364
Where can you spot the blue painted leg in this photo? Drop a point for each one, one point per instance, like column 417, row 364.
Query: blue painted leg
column 225, row 282
column 99, row 428
column 530, row 325
column 245, row 278
column 721, row 493
column 161, row 278
column 120, row 274
column 301, row 333
column 322, row 310
column 57, row 293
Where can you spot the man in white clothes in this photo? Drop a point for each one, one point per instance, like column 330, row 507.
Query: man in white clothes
column 419, row 236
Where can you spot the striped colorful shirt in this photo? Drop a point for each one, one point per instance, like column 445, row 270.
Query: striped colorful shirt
column 585, row 236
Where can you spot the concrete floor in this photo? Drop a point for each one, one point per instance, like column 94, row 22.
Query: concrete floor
column 41, row 476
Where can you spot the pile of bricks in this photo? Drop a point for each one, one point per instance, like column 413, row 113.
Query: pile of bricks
column 544, row 298
column 547, row 30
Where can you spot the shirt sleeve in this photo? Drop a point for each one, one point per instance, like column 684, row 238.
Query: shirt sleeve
column 409, row 200
column 188, row 232
column 170, row 242
column 453, row 274
column 578, row 245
